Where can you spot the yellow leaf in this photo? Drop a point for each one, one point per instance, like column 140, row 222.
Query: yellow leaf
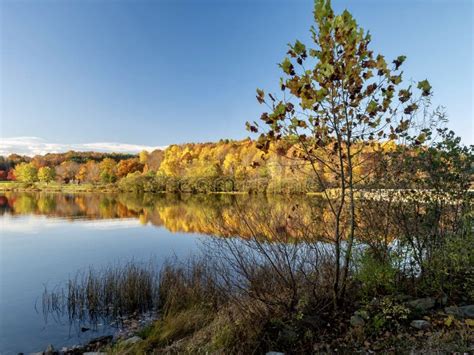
column 470, row 322
column 448, row 321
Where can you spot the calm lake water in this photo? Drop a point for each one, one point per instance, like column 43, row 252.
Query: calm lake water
column 47, row 237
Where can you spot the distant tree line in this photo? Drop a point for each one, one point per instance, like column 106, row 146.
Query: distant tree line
column 224, row 166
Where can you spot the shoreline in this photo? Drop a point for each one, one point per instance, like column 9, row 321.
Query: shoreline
column 128, row 334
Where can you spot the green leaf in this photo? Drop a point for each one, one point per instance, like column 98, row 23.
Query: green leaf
column 299, row 47
column 251, row 128
column 425, row 87
column 399, row 61
column 372, row 107
column 421, row 138
column 367, row 75
column 404, row 95
column 326, row 69
column 396, row 79
column 287, row 66
column 381, row 64
column 410, row 109
column 260, row 96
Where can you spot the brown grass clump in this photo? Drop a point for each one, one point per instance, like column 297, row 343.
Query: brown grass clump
column 112, row 293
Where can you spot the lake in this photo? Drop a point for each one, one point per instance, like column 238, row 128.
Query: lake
column 47, row 237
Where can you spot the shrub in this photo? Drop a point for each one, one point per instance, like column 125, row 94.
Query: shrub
column 377, row 276
column 385, row 314
column 450, row 270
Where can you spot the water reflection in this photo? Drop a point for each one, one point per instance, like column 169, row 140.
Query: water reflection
column 217, row 215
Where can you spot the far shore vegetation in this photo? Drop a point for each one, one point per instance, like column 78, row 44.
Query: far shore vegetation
column 222, row 167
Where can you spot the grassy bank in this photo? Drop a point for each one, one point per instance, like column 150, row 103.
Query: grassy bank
column 56, row 187
column 73, row 188
column 200, row 316
column 254, row 297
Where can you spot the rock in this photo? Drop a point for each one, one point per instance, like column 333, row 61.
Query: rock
column 362, row 313
column 132, row 340
column 274, row 353
column 98, row 342
column 468, row 311
column 454, row 311
column 422, row 304
column 420, row 324
column 357, row 321
column 402, row 298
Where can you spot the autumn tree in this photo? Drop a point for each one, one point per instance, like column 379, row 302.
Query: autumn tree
column 26, row 172
column 154, row 160
column 338, row 98
column 143, row 156
column 39, row 161
column 46, row 174
column 125, row 167
column 89, row 172
column 11, row 175
column 108, row 170
column 15, row 159
column 67, row 171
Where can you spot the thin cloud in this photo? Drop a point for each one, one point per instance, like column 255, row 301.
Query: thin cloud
column 32, row 146
column 29, row 224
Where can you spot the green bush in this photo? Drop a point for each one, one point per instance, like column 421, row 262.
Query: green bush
column 385, row 314
column 138, row 182
column 377, row 276
column 450, row 270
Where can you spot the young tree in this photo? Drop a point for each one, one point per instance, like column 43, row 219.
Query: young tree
column 46, row 174
column 26, row 172
column 339, row 100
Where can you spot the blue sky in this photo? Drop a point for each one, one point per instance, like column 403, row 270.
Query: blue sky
column 172, row 71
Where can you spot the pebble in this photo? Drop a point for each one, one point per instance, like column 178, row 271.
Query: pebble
column 468, row 311
column 132, row 340
column 420, row 324
column 454, row 311
column 422, row 304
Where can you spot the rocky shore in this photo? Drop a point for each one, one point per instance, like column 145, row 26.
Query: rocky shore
column 125, row 335
column 433, row 315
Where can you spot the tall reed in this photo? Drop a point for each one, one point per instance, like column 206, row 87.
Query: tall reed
column 115, row 292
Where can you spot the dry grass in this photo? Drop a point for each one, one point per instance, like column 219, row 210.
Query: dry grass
column 111, row 293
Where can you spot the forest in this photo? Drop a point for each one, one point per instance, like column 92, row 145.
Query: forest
column 225, row 166
column 200, row 167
